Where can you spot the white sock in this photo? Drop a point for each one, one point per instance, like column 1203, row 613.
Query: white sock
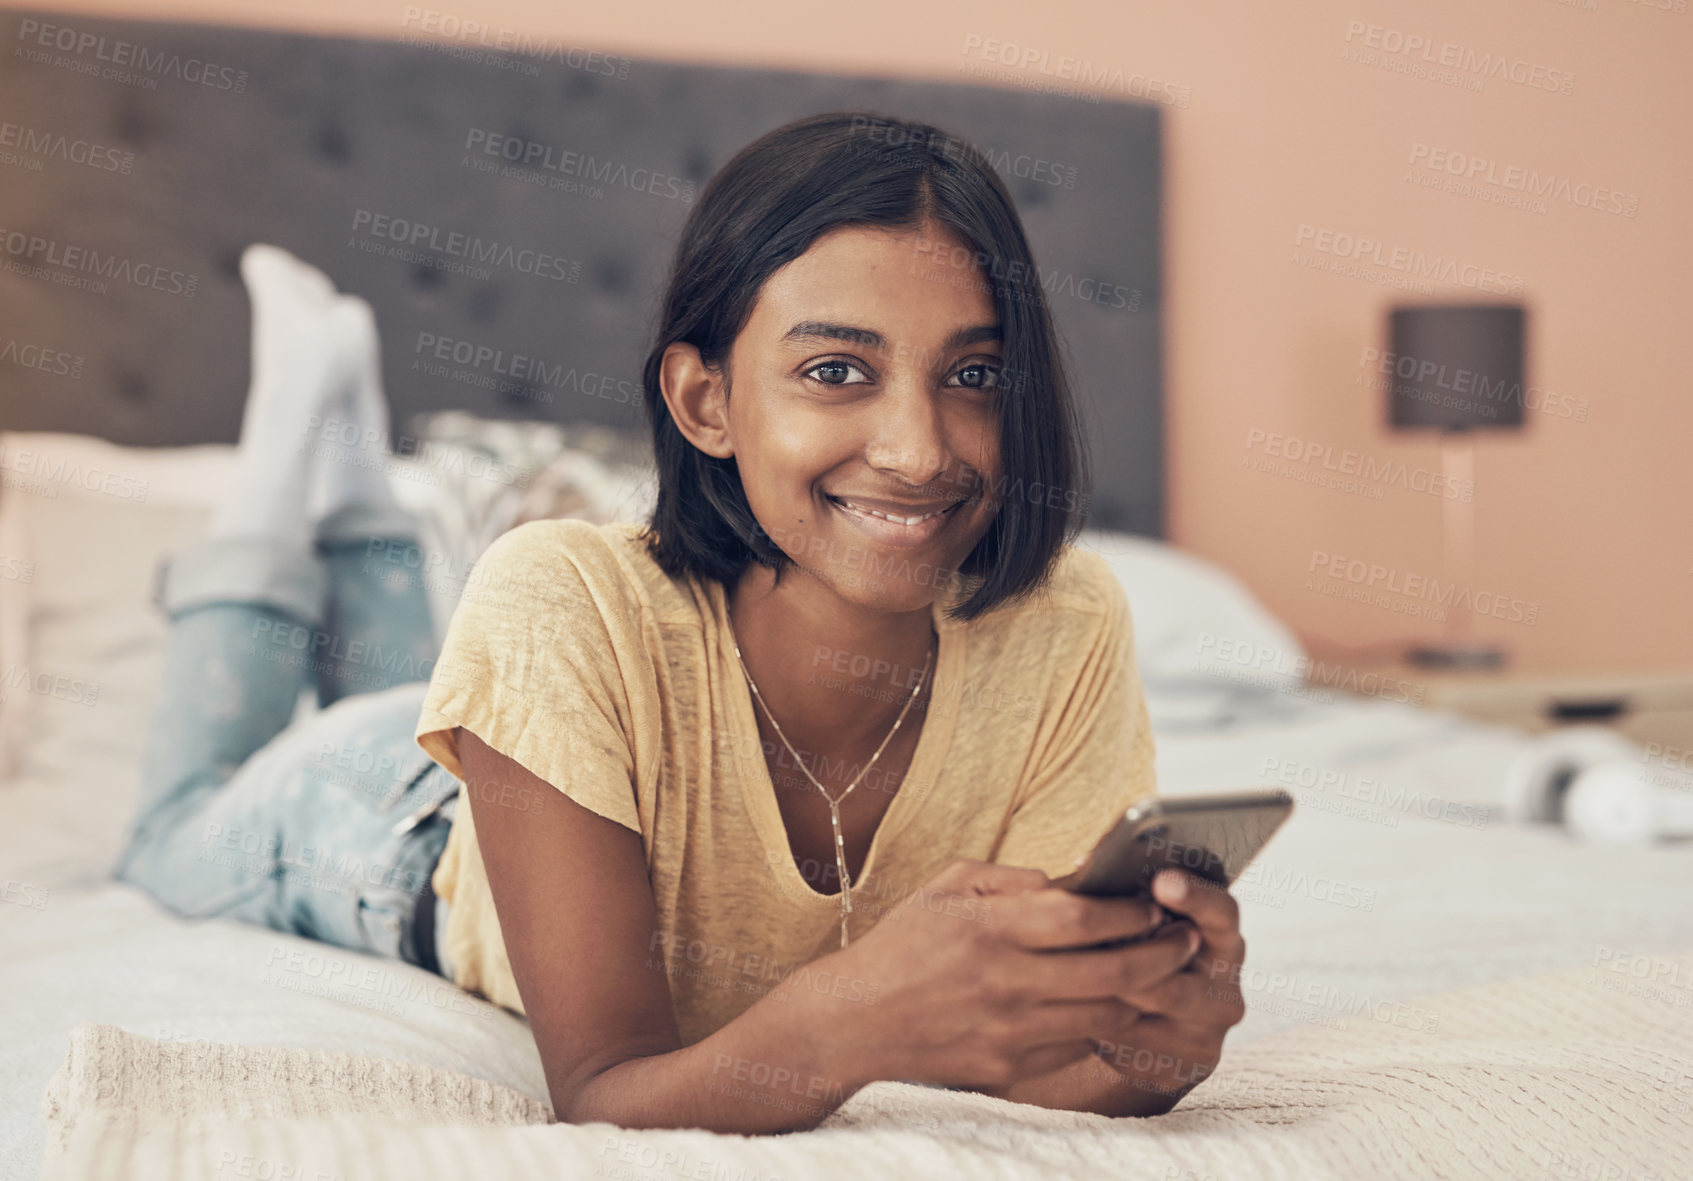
column 296, row 368
column 352, row 452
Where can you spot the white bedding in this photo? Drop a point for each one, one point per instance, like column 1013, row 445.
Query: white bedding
column 1350, row 919
column 1359, row 912
column 1552, row 1076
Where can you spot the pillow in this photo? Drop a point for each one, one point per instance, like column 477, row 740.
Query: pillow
column 83, row 524
column 79, row 638
column 81, row 647
column 470, row 479
column 1195, row 623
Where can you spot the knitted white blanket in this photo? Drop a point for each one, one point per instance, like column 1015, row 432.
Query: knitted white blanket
column 1584, row 1073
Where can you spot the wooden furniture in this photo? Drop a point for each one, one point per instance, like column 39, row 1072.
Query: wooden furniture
column 1651, row 707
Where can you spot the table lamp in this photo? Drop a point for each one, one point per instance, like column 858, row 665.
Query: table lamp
column 1457, row 369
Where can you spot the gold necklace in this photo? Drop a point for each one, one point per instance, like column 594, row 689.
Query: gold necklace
column 834, row 803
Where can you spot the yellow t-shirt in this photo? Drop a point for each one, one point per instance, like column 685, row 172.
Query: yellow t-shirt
column 573, row 653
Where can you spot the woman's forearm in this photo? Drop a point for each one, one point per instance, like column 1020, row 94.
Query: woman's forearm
column 1091, row 1085
column 782, row 1065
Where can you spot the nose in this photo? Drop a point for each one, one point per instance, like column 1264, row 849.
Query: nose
column 908, row 434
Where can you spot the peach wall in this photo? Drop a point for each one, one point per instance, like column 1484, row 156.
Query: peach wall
column 1589, row 522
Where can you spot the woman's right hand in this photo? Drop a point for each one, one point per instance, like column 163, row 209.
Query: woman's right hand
column 980, row 977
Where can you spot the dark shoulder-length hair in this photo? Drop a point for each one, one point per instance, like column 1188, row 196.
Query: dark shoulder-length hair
column 764, row 209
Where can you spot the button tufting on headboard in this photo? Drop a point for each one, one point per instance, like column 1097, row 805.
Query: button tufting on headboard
column 131, row 123
column 332, row 143
column 610, row 275
column 483, row 306
column 133, row 387
column 366, row 159
column 229, row 263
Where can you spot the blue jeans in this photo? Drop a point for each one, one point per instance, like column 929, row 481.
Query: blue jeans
column 329, row 827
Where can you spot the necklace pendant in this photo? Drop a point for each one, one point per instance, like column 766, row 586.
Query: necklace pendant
column 833, row 801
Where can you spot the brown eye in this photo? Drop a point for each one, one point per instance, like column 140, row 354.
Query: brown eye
column 836, row 371
column 980, row 377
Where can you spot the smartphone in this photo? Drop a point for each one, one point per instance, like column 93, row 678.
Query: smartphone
column 1214, row 836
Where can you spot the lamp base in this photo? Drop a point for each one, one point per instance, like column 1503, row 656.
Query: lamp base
column 1456, row 656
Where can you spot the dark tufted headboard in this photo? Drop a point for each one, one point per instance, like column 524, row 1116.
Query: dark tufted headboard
column 137, row 159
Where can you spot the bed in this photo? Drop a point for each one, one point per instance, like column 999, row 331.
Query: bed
column 1432, row 989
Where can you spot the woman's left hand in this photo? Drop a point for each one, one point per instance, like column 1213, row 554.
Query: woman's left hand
column 1176, row 1039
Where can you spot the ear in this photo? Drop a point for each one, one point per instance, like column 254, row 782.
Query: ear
column 694, row 394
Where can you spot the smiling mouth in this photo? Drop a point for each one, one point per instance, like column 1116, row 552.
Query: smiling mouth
column 894, row 517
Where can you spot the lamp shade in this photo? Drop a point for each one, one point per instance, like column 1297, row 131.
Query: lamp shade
column 1456, row 366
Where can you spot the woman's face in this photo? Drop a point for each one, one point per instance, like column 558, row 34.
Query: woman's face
column 864, row 412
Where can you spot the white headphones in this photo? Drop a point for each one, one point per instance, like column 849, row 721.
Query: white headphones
column 1629, row 804
column 1599, row 785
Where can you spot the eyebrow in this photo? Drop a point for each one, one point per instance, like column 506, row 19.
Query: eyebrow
column 823, row 330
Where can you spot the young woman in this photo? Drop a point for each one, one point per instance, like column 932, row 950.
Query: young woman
column 765, row 798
